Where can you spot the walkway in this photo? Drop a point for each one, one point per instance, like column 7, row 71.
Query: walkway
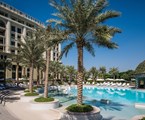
column 5, row 115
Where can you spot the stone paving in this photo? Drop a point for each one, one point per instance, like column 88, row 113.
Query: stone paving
column 5, row 115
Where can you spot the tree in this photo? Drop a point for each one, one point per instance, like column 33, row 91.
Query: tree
column 102, row 71
column 94, row 73
column 71, row 72
column 86, row 75
column 54, row 70
column 114, row 72
column 40, row 65
column 52, row 36
column 127, row 75
column 82, row 21
column 140, row 68
column 62, row 72
column 32, row 49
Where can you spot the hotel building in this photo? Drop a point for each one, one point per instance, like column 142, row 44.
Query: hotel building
column 15, row 25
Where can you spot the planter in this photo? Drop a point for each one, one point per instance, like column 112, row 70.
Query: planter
column 93, row 115
column 44, row 105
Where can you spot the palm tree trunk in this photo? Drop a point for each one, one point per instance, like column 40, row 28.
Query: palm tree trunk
column 31, row 78
column 17, row 73
column 37, row 76
column 46, row 75
column 80, row 75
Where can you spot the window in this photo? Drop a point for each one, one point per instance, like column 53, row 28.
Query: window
column 1, row 48
column 12, row 51
column 2, row 32
column 1, row 75
column 13, row 28
column 30, row 25
column 2, row 24
column 13, row 18
column 3, row 14
column 1, row 40
column 20, row 21
column 19, row 36
column 19, row 30
column 19, row 45
column 12, row 35
column 12, row 43
column 28, row 72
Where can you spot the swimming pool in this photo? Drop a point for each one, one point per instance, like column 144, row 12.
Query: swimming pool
column 122, row 100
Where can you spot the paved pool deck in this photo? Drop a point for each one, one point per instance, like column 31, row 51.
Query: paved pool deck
column 23, row 111
column 5, row 114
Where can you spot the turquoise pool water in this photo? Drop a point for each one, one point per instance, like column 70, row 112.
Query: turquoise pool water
column 122, row 100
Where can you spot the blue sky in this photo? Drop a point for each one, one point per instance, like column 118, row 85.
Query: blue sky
column 131, row 41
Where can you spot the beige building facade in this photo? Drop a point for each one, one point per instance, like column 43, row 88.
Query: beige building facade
column 15, row 25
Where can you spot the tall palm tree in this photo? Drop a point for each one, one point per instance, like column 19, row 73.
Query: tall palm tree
column 94, row 73
column 82, row 21
column 32, row 49
column 52, row 37
column 102, row 71
column 114, row 72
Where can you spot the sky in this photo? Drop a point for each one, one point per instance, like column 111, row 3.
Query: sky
column 131, row 41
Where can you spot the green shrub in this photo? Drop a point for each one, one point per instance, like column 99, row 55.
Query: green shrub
column 79, row 108
column 31, row 94
column 143, row 118
column 42, row 99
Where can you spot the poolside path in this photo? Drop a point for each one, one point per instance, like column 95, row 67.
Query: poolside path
column 23, row 111
column 5, row 115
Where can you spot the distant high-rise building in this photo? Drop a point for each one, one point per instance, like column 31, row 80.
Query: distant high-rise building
column 15, row 25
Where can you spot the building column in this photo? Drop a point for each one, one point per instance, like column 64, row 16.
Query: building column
column 24, row 33
column 8, row 36
column 51, row 55
column 23, row 71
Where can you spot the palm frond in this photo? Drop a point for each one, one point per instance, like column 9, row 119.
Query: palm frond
column 89, row 47
column 107, row 15
column 66, row 49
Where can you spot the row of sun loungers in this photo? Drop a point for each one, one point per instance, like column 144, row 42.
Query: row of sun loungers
column 111, row 84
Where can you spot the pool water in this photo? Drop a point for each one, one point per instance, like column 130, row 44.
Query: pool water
column 122, row 102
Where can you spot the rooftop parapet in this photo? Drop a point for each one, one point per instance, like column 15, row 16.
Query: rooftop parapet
column 22, row 14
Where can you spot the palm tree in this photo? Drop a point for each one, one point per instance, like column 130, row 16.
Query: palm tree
column 40, row 66
column 52, row 37
column 82, row 21
column 86, row 75
column 94, row 73
column 71, row 73
column 54, row 70
column 114, row 72
column 102, row 71
column 62, row 72
column 32, row 49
